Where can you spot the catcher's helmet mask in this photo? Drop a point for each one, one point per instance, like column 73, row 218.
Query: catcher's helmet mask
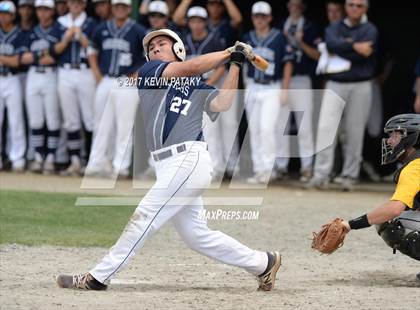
column 408, row 125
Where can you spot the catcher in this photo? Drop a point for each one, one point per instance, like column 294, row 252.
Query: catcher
column 398, row 220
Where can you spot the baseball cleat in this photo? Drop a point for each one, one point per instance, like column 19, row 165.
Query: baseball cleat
column 268, row 278
column 82, row 281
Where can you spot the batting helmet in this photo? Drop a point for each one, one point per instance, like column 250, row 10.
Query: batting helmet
column 178, row 47
column 409, row 127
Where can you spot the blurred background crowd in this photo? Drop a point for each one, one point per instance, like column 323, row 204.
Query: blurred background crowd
column 59, row 61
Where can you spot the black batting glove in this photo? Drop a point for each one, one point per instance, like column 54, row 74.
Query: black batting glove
column 237, row 57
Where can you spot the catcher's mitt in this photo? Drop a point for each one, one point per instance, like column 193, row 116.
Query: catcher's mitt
column 330, row 237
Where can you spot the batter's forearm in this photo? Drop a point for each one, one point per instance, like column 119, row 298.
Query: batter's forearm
column 216, row 75
column 196, row 66
column 227, row 93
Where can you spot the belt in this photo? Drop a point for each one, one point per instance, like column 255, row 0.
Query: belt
column 350, row 80
column 41, row 69
column 264, row 82
column 158, row 156
column 74, row 66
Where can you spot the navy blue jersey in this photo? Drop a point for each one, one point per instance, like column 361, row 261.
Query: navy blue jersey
column 11, row 43
column 302, row 64
column 26, row 34
column 120, row 50
column 340, row 37
column 41, row 39
column 75, row 54
column 273, row 49
column 224, row 32
column 209, row 44
column 173, row 113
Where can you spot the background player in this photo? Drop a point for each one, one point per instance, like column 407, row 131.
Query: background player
column 12, row 45
column 102, row 10
column 302, row 38
column 173, row 131
column 76, row 83
column 354, row 39
column 115, row 52
column 61, row 7
column 41, row 88
column 224, row 27
column 403, row 145
column 263, row 90
column 220, row 134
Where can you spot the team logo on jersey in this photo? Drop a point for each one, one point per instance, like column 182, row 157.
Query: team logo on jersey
column 116, row 44
column 6, row 49
column 40, row 45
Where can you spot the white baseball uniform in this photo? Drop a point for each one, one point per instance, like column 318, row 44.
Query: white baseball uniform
column 12, row 43
column 183, row 166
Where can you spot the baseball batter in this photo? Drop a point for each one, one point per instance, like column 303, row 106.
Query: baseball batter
column 174, row 136
column 263, row 90
column 115, row 52
column 12, row 44
column 41, row 88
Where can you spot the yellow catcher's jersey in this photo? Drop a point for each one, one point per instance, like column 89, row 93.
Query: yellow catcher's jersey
column 408, row 185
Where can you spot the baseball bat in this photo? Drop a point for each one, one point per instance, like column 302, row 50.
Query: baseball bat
column 259, row 62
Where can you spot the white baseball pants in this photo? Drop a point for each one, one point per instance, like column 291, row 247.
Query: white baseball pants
column 11, row 97
column 358, row 98
column 221, row 138
column 117, row 121
column 262, row 105
column 42, row 99
column 76, row 90
column 176, row 196
column 299, row 101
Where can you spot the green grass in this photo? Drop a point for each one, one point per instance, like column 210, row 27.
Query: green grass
column 33, row 218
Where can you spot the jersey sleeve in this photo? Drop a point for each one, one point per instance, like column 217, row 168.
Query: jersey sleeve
column 95, row 41
column 312, row 35
column 408, row 184
column 153, row 68
column 209, row 93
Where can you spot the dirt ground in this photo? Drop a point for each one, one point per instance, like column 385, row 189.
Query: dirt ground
column 167, row 275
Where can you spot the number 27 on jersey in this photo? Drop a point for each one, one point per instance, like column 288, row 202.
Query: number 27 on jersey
column 180, row 105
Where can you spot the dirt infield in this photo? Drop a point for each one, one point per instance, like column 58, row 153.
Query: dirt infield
column 362, row 275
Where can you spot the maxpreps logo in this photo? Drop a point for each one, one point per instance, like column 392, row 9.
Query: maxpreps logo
column 229, row 215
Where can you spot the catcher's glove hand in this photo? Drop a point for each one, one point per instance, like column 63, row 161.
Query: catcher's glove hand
column 330, row 237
